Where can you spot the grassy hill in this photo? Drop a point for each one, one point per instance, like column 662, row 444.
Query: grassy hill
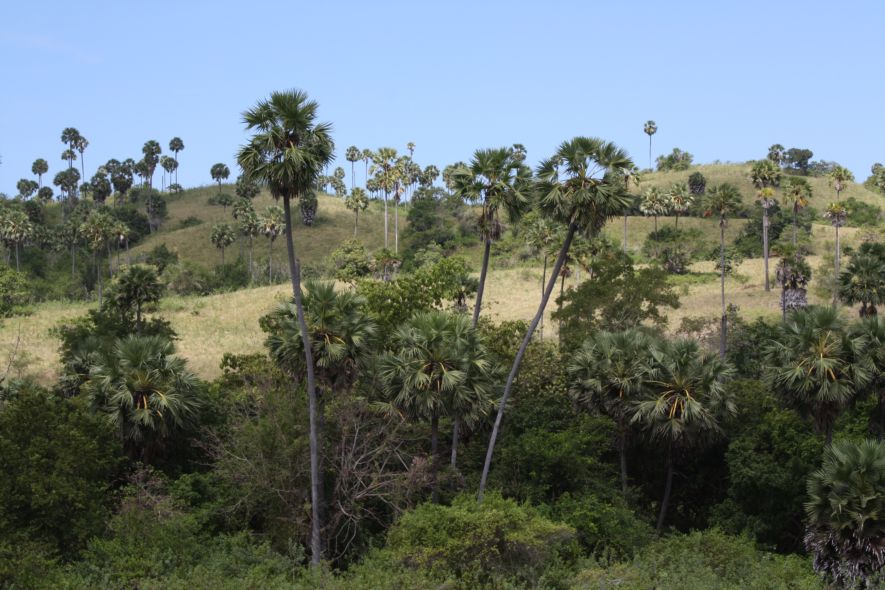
column 210, row 326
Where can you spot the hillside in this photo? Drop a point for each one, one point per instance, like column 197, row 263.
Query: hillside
column 209, row 326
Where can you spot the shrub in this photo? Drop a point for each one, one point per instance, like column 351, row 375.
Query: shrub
column 161, row 257
column 188, row 278
column 189, row 221
column 15, row 290
column 498, row 539
column 674, row 248
column 352, row 261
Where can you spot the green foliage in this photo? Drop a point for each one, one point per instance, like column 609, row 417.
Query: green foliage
column 352, row 261
column 480, row 545
column 708, row 560
column 618, row 297
column 161, row 257
column 675, row 160
column 436, row 218
column 697, row 183
column 675, row 249
column 15, row 290
column 57, row 462
column 861, row 214
column 846, row 532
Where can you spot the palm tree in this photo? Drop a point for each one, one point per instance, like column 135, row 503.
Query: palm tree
column 411, row 147
column 352, row 155
column 80, row 145
column 541, row 235
column 16, row 229
column 437, row 367
column 872, row 330
column 839, row 178
column 846, row 500
column 287, row 153
column 495, row 181
column 722, row 201
column 219, row 172
column 837, row 213
column 776, row 153
column 384, row 169
column 222, row 236
column 273, row 223
column 175, row 146
column 629, row 175
column 686, row 404
column 357, row 201
column 793, row 274
column 69, row 137
column 250, row 227
column 428, row 176
column 146, row 393
column 609, row 373
column 136, row 288
column 650, row 128
column 679, row 200
column 654, row 203
column 39, row 168
column 367, row 155
column 151, row 151
column 817, row 365
column 797, row 192
column 863, row 282
column 765, row 175
column 579, row 187
column 169, row 165
column 97, row 229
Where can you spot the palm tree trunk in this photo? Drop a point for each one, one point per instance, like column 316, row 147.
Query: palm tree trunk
column 222, row 256
column 723, row 328
column 98, row 273
column 17, row 265
column 649, row 151
column 356, row 222
column 482, row 280
column 385, row 220
column 456, row 428
column 559, row 306
column 765, row 246
column 396, row 226
column 625, row 233
column 557, row 267
column 251, row 271
column 270, row 262
column 668, row 488
column 128, row 258
column 434, row 453
column 836, row 263
column 677, row 221
column 543, row 282
column 316, row 546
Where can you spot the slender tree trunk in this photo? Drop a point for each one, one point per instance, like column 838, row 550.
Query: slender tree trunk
column 396, row 226
column 251, row 271
column 625, row 233
column 352, row 174
column 222, row 256
column 316, row 546
column 356, row 222
column 765, row 247
column 836, row 263
column 98, row 274
column 73, row 260
column 559, row 306
column 434, row 452
column 557, row 266
column 543, row 283
column 17, row 264
column 723, row 328
column 385, row 220
column 649, row 151
column 456, row 428
column 668, row 488
column 482, row 280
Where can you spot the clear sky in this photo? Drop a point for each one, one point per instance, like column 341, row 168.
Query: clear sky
column 723, row 80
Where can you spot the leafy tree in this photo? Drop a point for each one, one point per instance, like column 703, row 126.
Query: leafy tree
column 225, row 200
column 797, row 193
column 686, row 405
column 250, row 226
column 352, row 262
column 679, row 199
column 697, row 184
column 219, row 172
column 844, row 510
column 100, row 187
column 175, row 146
column 722, row 201
column 777, row 154
column 650, row 128
column 26, row 187
column 609, row 373
column 357, row 201
column 540, row 233
column 577, row 187
column 308, row 206
column 630, row 175
column 818, row 366
column 80, row 145
column 798, row 159
column 245, row 188
column 151, row 151
column 287, row 153
column 146, row 393
column 272, row 225
column 67, row 181
column 222, row 236
column 135, row 290
column 438, row 367
column 15, row 229
column 70, row 136
column 44, row 195
column 837, row 213
column 676, row 160
column 169, row 165
column 495, row 180
column 384, row 170
column 654, row 203
column 428, row 176
column 39, row 168
column 155, row 208
column 97, row 231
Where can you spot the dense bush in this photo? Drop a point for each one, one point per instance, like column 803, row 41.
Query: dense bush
column 15, row 290
column 673, row 248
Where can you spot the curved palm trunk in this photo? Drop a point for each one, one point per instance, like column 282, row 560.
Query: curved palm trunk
column 765, row 246
column 482, row 280
column 316, row 546
column 668, row 488
column 434, row 452
column 557, row 267
column 723, row 328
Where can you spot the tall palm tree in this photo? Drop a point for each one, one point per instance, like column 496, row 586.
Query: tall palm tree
column 846, row 500
column 222, row 236
column 352, row 155
column 437, row 367
column 39, row 168
column 273, row 223
column 135, row 289
column 839, row 178
column 579, row 187
column 16, row 229
column 69, row 137
column 287, row 153
column 384, row 169
column 797, row 192
column 817, row 365
column 872, row 330
column 411, row 147
column 837, row 213
column 650, row 128
column 80, row 145
column 97, row 230
column 686, row 404
column 151, row 151
column 219, row 173
column 251, row 228
column 722, row 201
column 146, row 393
column 654, row 202
column 541, row 235
column 863, row 282
column 356, row 201
column 765, row 175
column 175, row 146
column 609, row 373
column 496, row 181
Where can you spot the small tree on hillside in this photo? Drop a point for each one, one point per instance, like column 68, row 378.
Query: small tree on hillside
column 222, row 236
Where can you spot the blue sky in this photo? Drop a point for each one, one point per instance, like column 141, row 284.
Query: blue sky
column 722, row 80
